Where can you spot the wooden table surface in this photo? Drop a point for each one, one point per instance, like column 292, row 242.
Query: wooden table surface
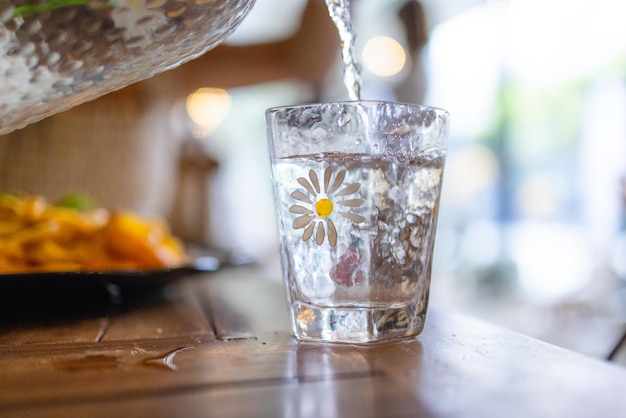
column 219, row 346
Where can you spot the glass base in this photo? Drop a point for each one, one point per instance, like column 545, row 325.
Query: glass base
column 357, row 325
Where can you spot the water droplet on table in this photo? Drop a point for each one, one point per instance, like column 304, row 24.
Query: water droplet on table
column 165, row 361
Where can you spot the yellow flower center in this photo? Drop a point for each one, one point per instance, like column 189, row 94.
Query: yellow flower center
column 324, row 207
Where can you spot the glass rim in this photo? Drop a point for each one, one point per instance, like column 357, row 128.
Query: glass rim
column 440, row 111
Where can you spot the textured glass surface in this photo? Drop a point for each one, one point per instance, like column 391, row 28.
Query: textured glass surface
column 57, row 54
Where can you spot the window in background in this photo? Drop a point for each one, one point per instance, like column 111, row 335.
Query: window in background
column 533, row 201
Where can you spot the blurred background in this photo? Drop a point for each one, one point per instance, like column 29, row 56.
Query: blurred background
column 532, row 227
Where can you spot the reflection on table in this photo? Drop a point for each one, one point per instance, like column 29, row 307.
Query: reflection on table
column 218, row 345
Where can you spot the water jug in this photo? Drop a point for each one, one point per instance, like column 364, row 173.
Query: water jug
column 56, row 54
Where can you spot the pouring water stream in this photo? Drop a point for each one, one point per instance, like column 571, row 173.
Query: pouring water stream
column 339, row 11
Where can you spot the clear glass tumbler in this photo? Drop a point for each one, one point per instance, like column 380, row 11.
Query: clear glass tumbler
column 357, row 188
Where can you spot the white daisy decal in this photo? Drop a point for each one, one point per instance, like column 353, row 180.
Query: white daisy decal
column 317, row 206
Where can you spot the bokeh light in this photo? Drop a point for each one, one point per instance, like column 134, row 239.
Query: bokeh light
column 384, row 56
column 208, row 107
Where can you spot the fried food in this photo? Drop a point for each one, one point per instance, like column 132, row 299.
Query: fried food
column 38, row 236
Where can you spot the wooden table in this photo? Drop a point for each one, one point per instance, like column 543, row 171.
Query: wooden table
column 219, row 346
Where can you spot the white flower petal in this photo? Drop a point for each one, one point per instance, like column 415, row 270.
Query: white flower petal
column 332, row 233
column 327, row 173
column 353, row 217
column 314, row 181
column 319, row 235
column 298, row 195
column 338, row 180
column 305, row 183
column 302, row 221
column 300, row 210
column 353, row 188
column 351, row 202
column 308, row 232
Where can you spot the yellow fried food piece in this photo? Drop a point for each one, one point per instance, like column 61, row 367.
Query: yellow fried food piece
column 148, row 241
column 38, row 236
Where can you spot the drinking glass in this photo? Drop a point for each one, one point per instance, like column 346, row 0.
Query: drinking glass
column 357, row 187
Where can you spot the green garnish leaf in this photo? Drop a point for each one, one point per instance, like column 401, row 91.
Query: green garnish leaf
column 79, row 201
